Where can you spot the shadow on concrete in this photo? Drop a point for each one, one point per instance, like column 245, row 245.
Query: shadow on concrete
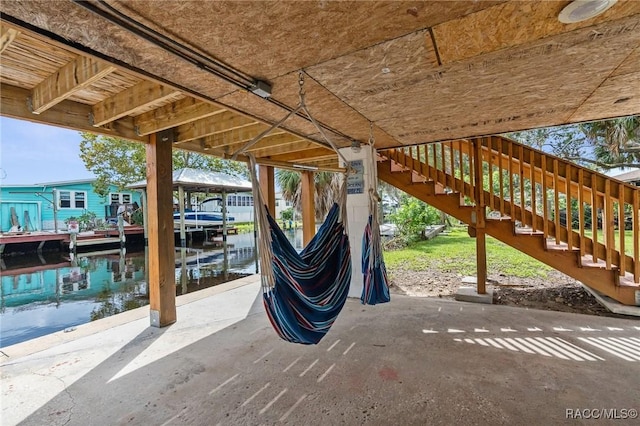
column 376, row 366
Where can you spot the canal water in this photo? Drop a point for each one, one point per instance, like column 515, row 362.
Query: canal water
column 48, row 293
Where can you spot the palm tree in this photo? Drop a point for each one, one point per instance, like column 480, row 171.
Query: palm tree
column 616, row 142
column 607, row 144
column 327, row 188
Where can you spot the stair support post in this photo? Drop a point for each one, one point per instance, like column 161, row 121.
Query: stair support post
column 479, row 219
column 481, row 261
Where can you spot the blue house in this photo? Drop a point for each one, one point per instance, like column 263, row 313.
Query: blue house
column 35, row 206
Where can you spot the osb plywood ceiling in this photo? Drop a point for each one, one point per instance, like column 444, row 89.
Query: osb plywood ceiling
column 418, row 71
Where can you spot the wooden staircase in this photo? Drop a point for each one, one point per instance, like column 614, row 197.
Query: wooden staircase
column 553, row 210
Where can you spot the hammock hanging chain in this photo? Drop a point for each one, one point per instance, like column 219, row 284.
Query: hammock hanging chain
column 376, row 288
column 264, row 251
column 374, row 203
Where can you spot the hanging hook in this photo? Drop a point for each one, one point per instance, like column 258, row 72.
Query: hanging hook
column 371, row 139
column 301, row 92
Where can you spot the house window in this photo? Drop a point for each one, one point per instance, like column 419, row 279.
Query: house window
column 120, row 198
column 65, row 199
column 231, row 201
column 80, row 199
column 72, row 199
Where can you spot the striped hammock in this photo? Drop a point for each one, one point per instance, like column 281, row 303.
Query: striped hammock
column 311, row 287
column 375, row 287
column 304, row 292
column 375, row 283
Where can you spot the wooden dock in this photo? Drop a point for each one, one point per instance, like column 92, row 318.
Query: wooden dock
column 34, row 242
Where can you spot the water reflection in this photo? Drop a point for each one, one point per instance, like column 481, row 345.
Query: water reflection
column 43, row 294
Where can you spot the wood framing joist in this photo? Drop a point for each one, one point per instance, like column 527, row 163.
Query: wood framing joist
column 234, row 135
column 218, row 124
column 67, row 114
column 7, row 36
column 270, row 141
column 312, row 154
column 292, row 148
column 71, row 78
column 132, row 101
column 174, row 114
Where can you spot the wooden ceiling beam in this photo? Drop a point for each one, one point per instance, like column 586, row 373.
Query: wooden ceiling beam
column 292, row 166
column 175, row 114
column 218, row 124
column 238, row 136
column 128, row 102
column 7, row 36
column 306, row 155
column 291, row 147
column 71, row 78
column 273, row 140
column 327, row 163
column 67, row 114
column 266, row 146
column 268, row 142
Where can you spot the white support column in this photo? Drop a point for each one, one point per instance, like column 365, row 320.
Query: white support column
column 358, row 212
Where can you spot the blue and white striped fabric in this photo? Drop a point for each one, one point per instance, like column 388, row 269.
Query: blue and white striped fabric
column 375, row 283
column 311, row 287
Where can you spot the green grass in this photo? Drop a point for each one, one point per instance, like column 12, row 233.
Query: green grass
column 243, row 227
column 456, row 252
column 628, row 239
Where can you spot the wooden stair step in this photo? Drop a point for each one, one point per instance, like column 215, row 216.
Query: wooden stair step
column 534, row 243
column 551, row 245
column 627, row 281
column 587, row 262
column 527, row 231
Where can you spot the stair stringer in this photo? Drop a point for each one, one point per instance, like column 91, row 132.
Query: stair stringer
column 565, row 261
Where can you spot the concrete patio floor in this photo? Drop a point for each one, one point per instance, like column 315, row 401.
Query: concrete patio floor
column 412, row 361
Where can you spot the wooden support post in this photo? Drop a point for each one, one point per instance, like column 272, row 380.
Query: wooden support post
column 145, row 217
column 55, row 209
column 480, row 217
column 308, row 207
column 121, row 235
column 481, row 260
column 267, row 185
column 183, row 232
column 225, row 247
column 184, row 281
column 162, row 282
column 478, row 184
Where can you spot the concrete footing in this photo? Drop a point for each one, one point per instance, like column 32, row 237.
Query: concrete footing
column 470, row 294
column 613, row 305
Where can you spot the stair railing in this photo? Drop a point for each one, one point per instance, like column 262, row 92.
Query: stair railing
column 574, row 207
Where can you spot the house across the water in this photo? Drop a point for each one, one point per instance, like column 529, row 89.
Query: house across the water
column 39, row 206
column 632, row 177
column 240, row 206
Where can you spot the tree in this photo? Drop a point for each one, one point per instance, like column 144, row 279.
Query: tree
column 327, row 189
column 119, row 162
column 600, row 144
column 617, row 142
column 412, row 217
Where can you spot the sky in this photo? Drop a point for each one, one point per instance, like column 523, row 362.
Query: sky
column 35, row 153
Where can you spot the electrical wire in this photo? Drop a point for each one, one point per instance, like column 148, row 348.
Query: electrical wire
column 214, row 66
column 209, row 64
